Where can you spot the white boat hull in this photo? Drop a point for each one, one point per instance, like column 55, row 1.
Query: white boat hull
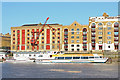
column 73, row 61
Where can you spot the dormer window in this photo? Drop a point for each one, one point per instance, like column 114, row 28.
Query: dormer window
column 75, row 24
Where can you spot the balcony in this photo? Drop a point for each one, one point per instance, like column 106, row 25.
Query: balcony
column 65, row 42
column 65, row 38
column 84, row 38
column 65, row 46
column 93, row 35
column 93, row 40
column 116, row 39
column 116, row 35
column 93, row 44
column 84, row 33
column 116, row 30
column 84, row 46
column 116, row 43
column 84, row 42
column 92, row 30
column 93, row 26
column 66, row 34
column 116, row 25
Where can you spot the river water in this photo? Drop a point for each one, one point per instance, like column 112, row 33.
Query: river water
column 59, row 70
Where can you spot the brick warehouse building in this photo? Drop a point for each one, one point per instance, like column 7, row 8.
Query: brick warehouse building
column 101, row 34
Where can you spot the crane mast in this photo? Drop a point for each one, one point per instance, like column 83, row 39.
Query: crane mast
column 33, row 40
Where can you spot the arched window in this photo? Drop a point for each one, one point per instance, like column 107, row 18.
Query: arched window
column 72, row 29
column 109, row 23
column 84, row 29
column 100, row 24
column 78, row 29
column 93, row 24
column 116, row 24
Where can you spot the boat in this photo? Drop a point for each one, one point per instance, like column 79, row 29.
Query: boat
column 70, row 58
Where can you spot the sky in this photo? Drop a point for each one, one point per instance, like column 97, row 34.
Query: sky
column 18, row 13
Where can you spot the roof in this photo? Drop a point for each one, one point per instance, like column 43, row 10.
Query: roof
column 38, row 24
column 76, row 55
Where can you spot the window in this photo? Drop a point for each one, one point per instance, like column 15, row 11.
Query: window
column 78, row 49
column 42, row 47
column 53, row 33
column 72, row 29
column 93, row 24
column 116, row 23
column 68, row 57
column 42, row 37
column 91, row 57
column 109, row 37
column 108, row 46
column 75, row 24
column 100, row 47
column 58, row 29
column 109, row 42
column 72, row 36
column 109, row 33
column 78, row 29
column 100, row 24
column 28, row 38
column 13, row 38
column 100, row 42
column 72, row 49
column 84, row 57
column 60, row 57
column 72, row 45
column 100, row 28
column 53, row 37
column 66, row 49
column 78, row 45
column 57, row 46
column 76, row 57
column 72, row 32
column 72, row 41
column 58, row 37
column 42, row 33
column 42, row 41
column 53, row 41
column 27, row 34
column 40, row 56
column 37, row 37
column 77, row 36
column 58, row 33
column 109, row 28
column 100, row 37
column 100, row 33
column 29, row 54
column 13, row 34
column 27, row 47
column 77, row 32
column 109, row 23
column 13, row 30
column 116, row 33
column 13, row 42
column 27, row 30
column 77, row 41
column 58, row 41
column 28, row 42
column 53, row 47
